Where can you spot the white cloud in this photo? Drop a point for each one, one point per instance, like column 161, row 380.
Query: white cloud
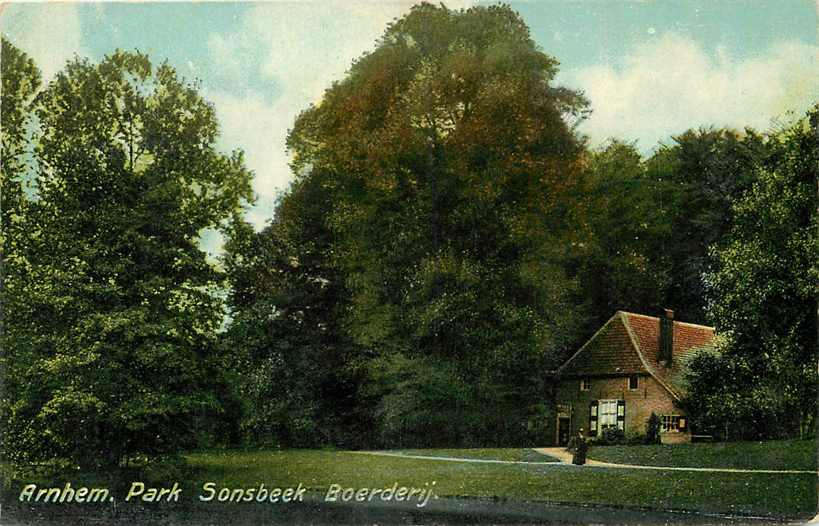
column 258, row 127
column 671, row 84
column 49, row 33
column 304, row 47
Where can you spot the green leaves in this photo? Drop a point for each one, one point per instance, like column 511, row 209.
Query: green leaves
column 762, row 295
column 698, row 179
column 438, row 173
column 114, row 341
column 20, row 83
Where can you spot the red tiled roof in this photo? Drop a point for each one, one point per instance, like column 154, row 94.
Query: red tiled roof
column 610, row 351
column 687, row 339
column 630, row 344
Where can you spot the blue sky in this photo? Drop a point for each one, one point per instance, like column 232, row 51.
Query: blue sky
column 650, row 68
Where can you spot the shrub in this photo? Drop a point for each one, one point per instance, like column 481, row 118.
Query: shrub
column 612, row 437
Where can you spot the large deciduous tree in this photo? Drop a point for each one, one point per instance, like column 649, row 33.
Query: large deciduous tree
column 762, row 298
column 450, row 157
column 111, row 343
column 697, row 177
column 297, row 371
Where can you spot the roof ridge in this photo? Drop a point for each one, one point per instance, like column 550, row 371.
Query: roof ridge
column 675, row 321
column 635, row 343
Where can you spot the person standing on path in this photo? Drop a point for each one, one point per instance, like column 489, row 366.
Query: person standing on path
column 578, row 447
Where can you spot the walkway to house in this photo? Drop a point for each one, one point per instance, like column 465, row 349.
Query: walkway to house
column 565, row 456
column 457, row 459
column 565, row 459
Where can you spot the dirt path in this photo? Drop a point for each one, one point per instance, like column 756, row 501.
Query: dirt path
column 566, row 457
column 456, row 459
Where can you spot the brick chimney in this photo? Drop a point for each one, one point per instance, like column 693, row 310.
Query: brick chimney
column 666, row 337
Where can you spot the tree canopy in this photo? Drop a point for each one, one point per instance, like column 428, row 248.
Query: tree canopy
column 698, row 177
column 449, row 237
column 761, row 295
column 112, row 312
column 436, row 176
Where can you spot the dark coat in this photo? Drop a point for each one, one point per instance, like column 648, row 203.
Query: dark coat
column 579, row 448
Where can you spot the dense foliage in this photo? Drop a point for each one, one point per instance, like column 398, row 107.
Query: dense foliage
column 615, row 258
column 449, row 239
column 698, row 179
column 296, row 370
column 761, row 379
column 438, row 173
column 650, row 223
column 110, row 310
column 20, row 82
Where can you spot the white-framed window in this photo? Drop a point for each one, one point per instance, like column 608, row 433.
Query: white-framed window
column 633, row 382
column 585, row 384
column 607, row 413
column 672, row 423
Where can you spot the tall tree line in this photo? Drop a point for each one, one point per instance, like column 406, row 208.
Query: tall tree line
column 461, row 239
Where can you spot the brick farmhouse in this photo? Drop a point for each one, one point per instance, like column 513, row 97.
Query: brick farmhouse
column 631, row 367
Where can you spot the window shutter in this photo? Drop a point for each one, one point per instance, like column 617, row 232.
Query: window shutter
column 593, row 417
column 621, row 414
column 683, row 424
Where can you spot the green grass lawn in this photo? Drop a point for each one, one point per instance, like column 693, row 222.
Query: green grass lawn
column 507, row 454
column 779, row 454
column 788, row 495
column 793, row 494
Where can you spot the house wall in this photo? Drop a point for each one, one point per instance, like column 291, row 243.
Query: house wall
column 640, row 403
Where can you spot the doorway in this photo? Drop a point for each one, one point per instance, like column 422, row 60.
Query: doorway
column 563, row 430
